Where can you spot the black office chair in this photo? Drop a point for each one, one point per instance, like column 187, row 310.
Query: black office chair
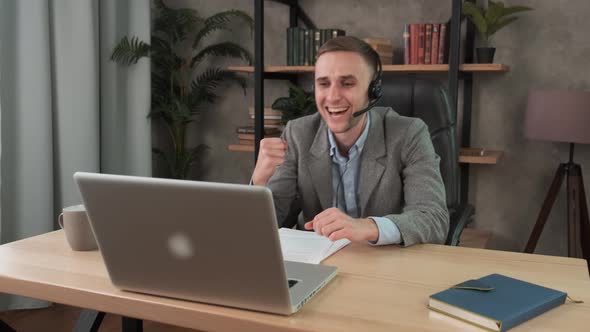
column 429, row 100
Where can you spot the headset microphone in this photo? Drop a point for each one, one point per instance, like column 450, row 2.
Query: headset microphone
column 364, row 110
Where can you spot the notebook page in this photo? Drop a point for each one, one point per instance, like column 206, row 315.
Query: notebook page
column 336, row 245
column 307, row 247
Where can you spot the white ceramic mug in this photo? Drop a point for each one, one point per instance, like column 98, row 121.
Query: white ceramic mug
column 74, row 222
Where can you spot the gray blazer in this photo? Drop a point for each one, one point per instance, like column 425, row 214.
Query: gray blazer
column 399, row 176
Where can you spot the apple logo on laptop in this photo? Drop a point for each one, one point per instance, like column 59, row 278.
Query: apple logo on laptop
column 180, row 246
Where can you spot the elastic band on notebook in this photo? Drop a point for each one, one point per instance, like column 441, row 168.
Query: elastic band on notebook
column 574, row 301
column 483, row 289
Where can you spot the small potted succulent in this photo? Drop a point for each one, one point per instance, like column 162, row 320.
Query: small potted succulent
column 487, row 22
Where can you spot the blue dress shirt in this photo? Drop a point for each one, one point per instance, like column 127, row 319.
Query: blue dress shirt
column 345, row 184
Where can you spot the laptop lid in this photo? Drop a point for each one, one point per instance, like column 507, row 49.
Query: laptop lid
column 203, row 241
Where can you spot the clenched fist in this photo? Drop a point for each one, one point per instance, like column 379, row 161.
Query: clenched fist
column 271, row 154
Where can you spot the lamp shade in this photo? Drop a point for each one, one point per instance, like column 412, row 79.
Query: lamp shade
column 559, row 116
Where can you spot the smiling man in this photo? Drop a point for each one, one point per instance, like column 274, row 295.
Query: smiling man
column 353, row 170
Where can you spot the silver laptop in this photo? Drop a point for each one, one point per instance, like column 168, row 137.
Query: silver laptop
column 201, row 241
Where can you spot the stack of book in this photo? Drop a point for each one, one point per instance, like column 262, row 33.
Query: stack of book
column 272, row 118
column 425, row 43
column 383, row 47
column 303, row 44
column 272, row 128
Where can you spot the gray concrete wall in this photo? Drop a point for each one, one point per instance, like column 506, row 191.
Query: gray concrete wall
column 545, row 48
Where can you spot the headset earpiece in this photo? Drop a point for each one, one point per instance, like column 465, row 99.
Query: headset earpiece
column 375, row 91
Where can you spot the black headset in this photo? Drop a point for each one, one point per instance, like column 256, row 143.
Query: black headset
column 374, row 91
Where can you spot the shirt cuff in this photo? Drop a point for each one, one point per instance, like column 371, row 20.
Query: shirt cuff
column 388, row 232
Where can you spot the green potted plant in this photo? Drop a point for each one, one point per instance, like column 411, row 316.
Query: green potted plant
column 299, row 103
column 182, row 84
column 487, row 22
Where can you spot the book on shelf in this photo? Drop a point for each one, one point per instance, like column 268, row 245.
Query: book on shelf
column 246, row 142
column 303, row 44
column 414, row 44
column 434, row 45
column 496, row 302
column 250, row 130
column 317, row 43
column 406, row 38
column 443, row 44
column 425, row 43
column 269, row 113
column 421, row 42
column 270, row 123
column 240, row 147
column 250, row 137
column 268, row 117
column 290, row 46
column 383, row 48
column 306, row 48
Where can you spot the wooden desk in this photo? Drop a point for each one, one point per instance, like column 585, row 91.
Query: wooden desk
column 377, row 289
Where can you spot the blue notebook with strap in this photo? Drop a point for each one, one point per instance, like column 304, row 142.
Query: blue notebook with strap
column 496, row 302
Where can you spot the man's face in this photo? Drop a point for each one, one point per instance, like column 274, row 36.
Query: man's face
column 341, row 83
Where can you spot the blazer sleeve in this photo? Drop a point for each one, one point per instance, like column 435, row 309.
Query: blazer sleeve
column 424, row 217
column 283, row 184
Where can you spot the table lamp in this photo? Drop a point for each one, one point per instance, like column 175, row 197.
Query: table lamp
column 562, row 116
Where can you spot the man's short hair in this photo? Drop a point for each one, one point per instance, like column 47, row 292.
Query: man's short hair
column 352, row 44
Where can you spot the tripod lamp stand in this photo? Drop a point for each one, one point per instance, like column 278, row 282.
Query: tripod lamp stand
column 562, row 116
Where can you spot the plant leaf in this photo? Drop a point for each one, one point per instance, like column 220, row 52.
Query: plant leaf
column 220, row 21
column 493, row 13
column 298, row 104
column 203, row 87
column 157, row 153
column 229, row 49
column 176, row 24
column 514, row 9
column 128, row 52
column 499, row 25
column 475, row 15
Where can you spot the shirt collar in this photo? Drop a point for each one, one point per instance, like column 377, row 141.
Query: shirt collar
column 358, row 145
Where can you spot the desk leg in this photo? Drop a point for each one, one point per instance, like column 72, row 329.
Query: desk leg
column 89, row 321
column 5, row 327
column 131, row 324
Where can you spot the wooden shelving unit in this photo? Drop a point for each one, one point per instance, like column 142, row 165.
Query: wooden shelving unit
column 459, row 71
column 479, row 156
column 476, row 67
column 240, row 148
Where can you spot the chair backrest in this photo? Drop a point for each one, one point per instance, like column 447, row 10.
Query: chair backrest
column 429, row 100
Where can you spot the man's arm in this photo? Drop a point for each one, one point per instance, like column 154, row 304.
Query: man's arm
column 283, row 183
column 425, row 217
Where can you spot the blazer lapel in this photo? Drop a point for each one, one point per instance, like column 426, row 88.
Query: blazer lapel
column 373, row 162
column 320, row 167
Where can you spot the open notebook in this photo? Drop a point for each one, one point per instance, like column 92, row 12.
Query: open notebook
column 307, row 247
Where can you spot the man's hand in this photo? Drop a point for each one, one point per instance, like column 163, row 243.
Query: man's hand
column 335, row 225
column 271, row 154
